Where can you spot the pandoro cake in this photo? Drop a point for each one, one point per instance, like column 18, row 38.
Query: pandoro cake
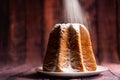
column 69, row 49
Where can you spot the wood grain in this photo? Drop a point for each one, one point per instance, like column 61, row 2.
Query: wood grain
column 118, row 26
column 17, row 42
column 4, row 32
column 107, row 50
column 33, row 27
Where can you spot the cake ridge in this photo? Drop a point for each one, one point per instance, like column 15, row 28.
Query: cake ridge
column 68, row 49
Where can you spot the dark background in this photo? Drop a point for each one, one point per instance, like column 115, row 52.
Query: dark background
column 25, row 26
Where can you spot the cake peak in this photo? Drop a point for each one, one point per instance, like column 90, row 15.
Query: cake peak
column 69, row 49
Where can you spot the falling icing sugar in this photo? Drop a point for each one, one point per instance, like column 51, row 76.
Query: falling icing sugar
column 74, row 12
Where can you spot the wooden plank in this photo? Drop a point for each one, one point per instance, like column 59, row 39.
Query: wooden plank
column 4, row 32
column 118, row 26
column 58, row 11
column 42, row 30
column 33, row 27
column 17, row 43
column 107, row 31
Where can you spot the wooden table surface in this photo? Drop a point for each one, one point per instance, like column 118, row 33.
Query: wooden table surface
column 28, row 72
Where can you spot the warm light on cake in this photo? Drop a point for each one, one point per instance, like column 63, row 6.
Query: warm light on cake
column 69, row 49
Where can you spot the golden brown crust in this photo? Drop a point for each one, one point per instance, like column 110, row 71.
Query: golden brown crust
column 51, row 57
column 69, row 50
column 75, row 52
column 87, row 51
